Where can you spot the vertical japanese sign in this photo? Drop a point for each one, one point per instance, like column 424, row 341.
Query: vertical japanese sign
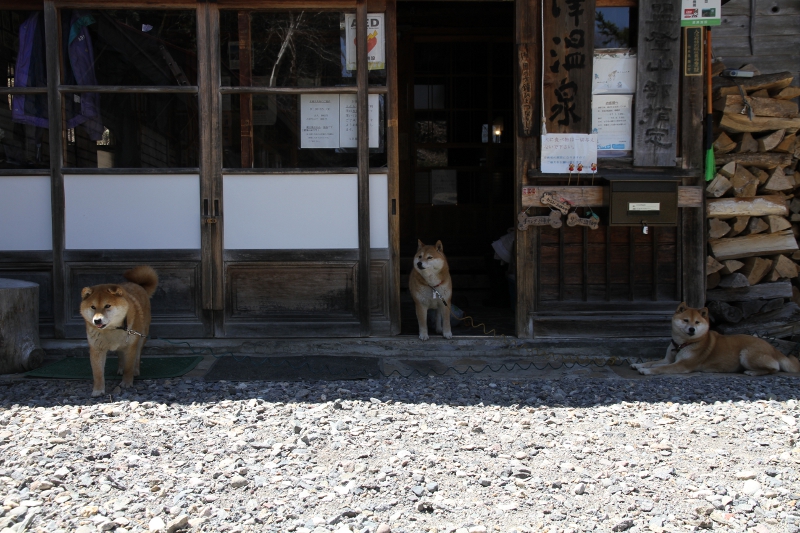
column 655, row 122
column 376, row 45
column 567, row 72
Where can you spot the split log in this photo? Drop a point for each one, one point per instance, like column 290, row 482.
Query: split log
column 755, row 226
column 19, row 326
column 794, row 207
column 778, row 323
column 761, row 160
column 755, row 268
column 785, row 267
column 789, row 93
column 724, row 144
column 728, row 169
column 744, row 184
column 717, row 228
column 761, row 93
column 712, row 265
column 778, row 80
column 796, row 256
column 747, row 144
column 787, row 145
column 769, row 142
column 712, row 280
column 795, row 217
column 777, row 223
column 730, row 266
column 762, row 107
column 718, row 186
column 742, row 123
column 739, row 225
column 761, row 175
column 762, row 291
column 772, row 305
column 751, row 245
column 758, row 206
column 733, row 281
column 752, row 307
column 723, row 312
column 778, row 181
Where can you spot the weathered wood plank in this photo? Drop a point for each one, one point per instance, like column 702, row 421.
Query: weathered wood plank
column 593, row 195
column 759, row 160
column 752, row 245
column 762, row 291
column 723, row 86
column 762, row 107
column 736, row 123
column 657, row 84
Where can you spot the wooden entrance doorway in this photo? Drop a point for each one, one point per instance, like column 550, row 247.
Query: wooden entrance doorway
column 456, row 124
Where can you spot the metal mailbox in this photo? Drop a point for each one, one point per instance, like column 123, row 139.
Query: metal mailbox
column 643, row 202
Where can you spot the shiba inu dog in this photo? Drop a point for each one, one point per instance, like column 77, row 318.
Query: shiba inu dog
column 431, row 288
column 695, row 348
column 118, row 318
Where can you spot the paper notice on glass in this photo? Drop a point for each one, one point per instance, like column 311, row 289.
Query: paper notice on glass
column 702, row 12
column 612, row 121
column 348, row 133
column 376, row 48
column 569, row 153
column 614, row 72
column 319, row 121
column 444, row 187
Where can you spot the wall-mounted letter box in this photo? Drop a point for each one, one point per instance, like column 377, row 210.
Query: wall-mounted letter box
column 644, row 202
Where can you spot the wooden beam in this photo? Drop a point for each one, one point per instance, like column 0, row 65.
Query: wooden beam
column 594, row 196
column 393, row 163
column 753, row 245
column 362, row 77
column 762, row 291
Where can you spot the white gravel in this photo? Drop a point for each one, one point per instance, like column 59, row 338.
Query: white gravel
column 468, row 455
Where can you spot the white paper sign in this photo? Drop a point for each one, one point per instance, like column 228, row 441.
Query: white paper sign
column 701, row 12
column 564, row 153
column 348, row 116
column 376, row 48
column 612, row 121
column 614, row 72
column 319, row 121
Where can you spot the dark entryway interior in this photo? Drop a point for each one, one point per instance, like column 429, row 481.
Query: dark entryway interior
column 456, row 122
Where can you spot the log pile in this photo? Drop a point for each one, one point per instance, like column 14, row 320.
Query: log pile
column 753, row 205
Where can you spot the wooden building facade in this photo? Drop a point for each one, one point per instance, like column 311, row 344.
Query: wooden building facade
column 227, row 145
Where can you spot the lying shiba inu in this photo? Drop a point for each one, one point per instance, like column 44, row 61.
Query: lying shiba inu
column 118, row 318
column 695, row 348
column 431, row 288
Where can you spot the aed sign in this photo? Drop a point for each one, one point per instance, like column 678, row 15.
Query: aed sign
column 701, row 12
column 376, row 41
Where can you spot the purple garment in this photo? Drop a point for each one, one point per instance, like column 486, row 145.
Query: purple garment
column 21, row 111
column 81, row 60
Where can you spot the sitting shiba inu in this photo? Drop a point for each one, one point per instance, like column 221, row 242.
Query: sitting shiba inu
column 117, row 317
column 431, row 288
column 695, row 348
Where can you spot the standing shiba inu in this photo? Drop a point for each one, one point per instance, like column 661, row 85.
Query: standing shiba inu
column 431, row 288
column 118, row 318
column 695, row 348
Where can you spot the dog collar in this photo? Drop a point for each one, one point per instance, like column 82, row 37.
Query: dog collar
column 124, row 327
column 434, row 286
column 679, row 347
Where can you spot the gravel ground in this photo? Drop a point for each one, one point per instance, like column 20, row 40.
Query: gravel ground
column 464, row 454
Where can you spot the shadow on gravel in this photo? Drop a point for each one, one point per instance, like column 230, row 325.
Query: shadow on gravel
column 567, row 388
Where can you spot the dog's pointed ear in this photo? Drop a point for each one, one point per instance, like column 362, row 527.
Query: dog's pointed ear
column 704, row 313
column 681, row 308
column 86, row 292
column 420, row 244
column 439, row 247
column 116, row 290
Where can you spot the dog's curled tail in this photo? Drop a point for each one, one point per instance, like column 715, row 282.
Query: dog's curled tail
column 788, row 363
column 145, row 276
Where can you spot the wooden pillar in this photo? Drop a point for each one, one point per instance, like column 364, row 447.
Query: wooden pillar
column 56, row 138
column 363, row 169
column 527, row 125
column 393, row 160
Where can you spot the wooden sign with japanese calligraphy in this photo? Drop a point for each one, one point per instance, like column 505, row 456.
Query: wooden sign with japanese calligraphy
column 525, row 90
column 567, row 70
column 553, row 220
column 693, row 51
column 657, row 84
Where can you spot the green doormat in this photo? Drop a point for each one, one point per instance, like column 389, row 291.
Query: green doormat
column 151, row 368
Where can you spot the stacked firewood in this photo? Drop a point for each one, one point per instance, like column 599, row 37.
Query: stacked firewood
column 753, row 204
